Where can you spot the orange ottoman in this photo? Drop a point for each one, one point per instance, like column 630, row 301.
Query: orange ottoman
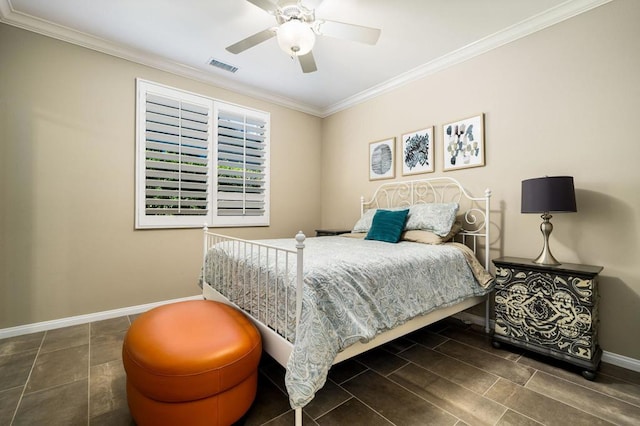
column 191, row 363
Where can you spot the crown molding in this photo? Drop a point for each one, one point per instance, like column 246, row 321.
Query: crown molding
column 560, row 13
column 524, row 28
column 30, row 23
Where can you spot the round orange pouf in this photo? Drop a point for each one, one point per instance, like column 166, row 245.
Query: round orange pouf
column 191, row 363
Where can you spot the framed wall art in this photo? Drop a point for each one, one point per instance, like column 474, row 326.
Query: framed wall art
column 382, row 159
column 463, row 143
column 417, row 152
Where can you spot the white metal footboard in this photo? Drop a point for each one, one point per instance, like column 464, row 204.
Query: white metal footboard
column 275, row 332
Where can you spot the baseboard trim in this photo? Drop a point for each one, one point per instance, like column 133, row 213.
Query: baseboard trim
column 83, row 319
column 621, row 361
column 608, row 357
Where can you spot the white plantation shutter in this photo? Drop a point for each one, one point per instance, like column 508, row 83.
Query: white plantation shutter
column 176, row 148
column 199, row 161
column 242, row 191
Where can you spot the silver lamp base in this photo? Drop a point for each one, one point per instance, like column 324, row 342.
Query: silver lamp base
column 545, row 257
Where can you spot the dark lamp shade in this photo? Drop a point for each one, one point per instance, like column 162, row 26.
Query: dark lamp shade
column 548, row 194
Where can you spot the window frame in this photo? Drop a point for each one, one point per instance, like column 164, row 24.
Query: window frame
column 211, row 219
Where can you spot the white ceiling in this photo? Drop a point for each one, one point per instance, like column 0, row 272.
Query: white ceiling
column 418, row 37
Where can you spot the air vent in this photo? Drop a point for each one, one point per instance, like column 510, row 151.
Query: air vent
column 222, row 65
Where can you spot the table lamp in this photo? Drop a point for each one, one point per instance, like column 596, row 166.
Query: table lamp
column 550, row 194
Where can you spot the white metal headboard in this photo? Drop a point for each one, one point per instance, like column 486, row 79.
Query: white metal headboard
column 474, row 212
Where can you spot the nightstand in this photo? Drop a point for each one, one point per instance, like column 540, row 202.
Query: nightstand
column 552, row 310
column 327, row 232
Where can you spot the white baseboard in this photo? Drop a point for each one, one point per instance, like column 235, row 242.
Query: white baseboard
column 83, row 319
column 621, row 361
column 608, row 357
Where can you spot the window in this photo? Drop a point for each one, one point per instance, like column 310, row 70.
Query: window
column 199, row 160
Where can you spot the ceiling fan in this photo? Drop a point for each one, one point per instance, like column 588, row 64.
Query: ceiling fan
column 297, row 29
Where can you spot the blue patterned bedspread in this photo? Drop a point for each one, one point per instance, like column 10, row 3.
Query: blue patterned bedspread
column 353, row 290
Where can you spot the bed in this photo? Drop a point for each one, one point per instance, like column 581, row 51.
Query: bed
column 319, row 301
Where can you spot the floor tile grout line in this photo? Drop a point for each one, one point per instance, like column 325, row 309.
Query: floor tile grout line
column 483, row 350
column 519, row 413
column 443, row 377
column 609, row 396
column 507, row 408
column 274, row 383
column 600, row 373
column 535, row 371
column 351, row 396
column 373, row 409
column 439, row 344
column 447, row 379
column 589, row 389
column 491, row 387
column 24, row 389
column 498, row 377
column 465, row 363
column 425, row 400
column 276, row 417
column 487, row 371
column 366, row 368
column 406, row 362
column 557, row 400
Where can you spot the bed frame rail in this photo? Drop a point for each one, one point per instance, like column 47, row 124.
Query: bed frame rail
column 255, row 252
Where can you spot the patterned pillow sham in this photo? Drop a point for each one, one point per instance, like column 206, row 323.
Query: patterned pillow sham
column 435, row 217
column 364, row 223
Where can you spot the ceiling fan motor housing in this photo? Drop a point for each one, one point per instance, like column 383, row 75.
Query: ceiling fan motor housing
column 294, row 11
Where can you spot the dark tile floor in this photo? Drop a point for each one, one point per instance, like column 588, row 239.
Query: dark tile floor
column 446, row 374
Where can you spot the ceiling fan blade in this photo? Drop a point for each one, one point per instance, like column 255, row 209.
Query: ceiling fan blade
column 307, row 63
column 349, row 31
column 251, row 41
column 265, row 5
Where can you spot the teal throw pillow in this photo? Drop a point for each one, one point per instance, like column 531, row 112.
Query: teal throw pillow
column 387, row 225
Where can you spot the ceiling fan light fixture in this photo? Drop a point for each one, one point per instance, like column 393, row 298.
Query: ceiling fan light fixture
column 295, row 37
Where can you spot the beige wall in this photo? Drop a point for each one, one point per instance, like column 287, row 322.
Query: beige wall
column 563, row 101
column 67, row 243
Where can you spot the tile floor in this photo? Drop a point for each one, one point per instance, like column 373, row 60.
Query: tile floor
column 446, row 374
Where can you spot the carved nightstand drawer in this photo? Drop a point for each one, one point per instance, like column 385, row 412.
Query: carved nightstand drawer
column 552, row 310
